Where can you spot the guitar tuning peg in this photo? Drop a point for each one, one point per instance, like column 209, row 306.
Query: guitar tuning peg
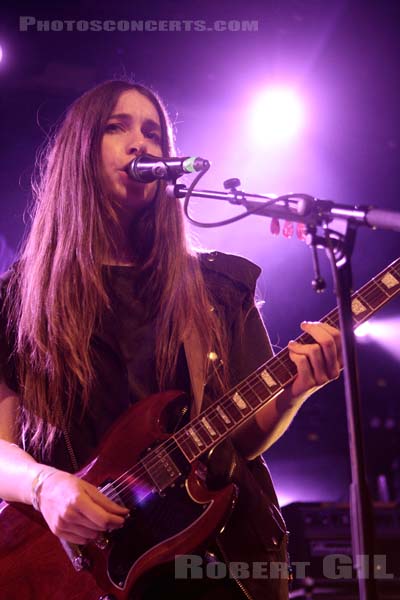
column 301, row 231
column 275, row 227
column 287, row 230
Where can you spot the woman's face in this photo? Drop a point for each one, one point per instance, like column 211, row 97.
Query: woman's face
column 132, row 129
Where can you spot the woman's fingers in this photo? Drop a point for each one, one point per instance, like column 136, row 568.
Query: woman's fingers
column 68, row 531
column 74, row 508
column 89, row 505
column 328, row 340
column 319, row 362
column 106, row 503
column 335, row 333
column 311, row 365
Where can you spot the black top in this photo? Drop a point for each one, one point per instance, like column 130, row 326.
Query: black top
column 133, row 330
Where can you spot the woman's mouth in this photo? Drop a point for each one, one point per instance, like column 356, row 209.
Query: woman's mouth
column 125, row 178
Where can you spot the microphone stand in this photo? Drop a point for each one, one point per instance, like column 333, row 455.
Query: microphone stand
column 338, row 223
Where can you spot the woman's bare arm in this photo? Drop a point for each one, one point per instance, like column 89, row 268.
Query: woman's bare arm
column 74, row 509
column 17, row 468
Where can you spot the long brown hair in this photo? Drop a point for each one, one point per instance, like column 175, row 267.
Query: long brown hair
column 57, row 293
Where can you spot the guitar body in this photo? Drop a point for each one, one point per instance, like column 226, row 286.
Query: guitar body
column 180, row 520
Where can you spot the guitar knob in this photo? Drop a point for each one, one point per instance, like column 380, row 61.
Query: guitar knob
column 210, row 557
column 108, row 597
column 102, row 542
column 81, row 563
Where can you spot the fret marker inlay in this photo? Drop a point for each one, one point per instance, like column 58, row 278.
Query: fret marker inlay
column 223, row 415
column 208, row 426
column 195, row 437
column 238, row 400
column 357, row 307
column 389, row 280
column 267, row 377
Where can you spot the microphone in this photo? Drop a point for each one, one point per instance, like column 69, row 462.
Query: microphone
column 146, row 167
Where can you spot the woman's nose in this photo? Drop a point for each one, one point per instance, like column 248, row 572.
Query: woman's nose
column 137, row 144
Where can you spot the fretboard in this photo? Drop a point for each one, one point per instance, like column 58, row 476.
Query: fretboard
column 234, row 408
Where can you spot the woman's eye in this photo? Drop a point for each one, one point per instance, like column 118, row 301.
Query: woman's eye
column 153, row 135
column 111, row 127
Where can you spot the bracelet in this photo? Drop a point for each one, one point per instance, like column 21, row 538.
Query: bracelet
column 37, row 484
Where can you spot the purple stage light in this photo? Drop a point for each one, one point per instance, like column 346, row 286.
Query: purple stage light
column 277, row 115
column 383, row 332
column 363, row 330
column 306, row 480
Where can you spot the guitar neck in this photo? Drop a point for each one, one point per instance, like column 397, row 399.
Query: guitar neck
column 234, row 408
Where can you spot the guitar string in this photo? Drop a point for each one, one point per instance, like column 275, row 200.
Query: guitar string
column 244, row 383
column 154, row 467
column 282, row 357
column 224, row 402
column 121, row 490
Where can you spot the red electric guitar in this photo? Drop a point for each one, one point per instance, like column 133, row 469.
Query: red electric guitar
column 151, row 472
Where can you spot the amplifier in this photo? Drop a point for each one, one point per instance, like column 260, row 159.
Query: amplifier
column 321, row 554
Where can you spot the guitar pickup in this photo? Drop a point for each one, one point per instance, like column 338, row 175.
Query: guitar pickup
column 160, row 468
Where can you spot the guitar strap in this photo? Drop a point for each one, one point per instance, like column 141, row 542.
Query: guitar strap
column 196, row 367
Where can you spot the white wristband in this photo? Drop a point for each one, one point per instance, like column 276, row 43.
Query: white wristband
column 37, row 486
